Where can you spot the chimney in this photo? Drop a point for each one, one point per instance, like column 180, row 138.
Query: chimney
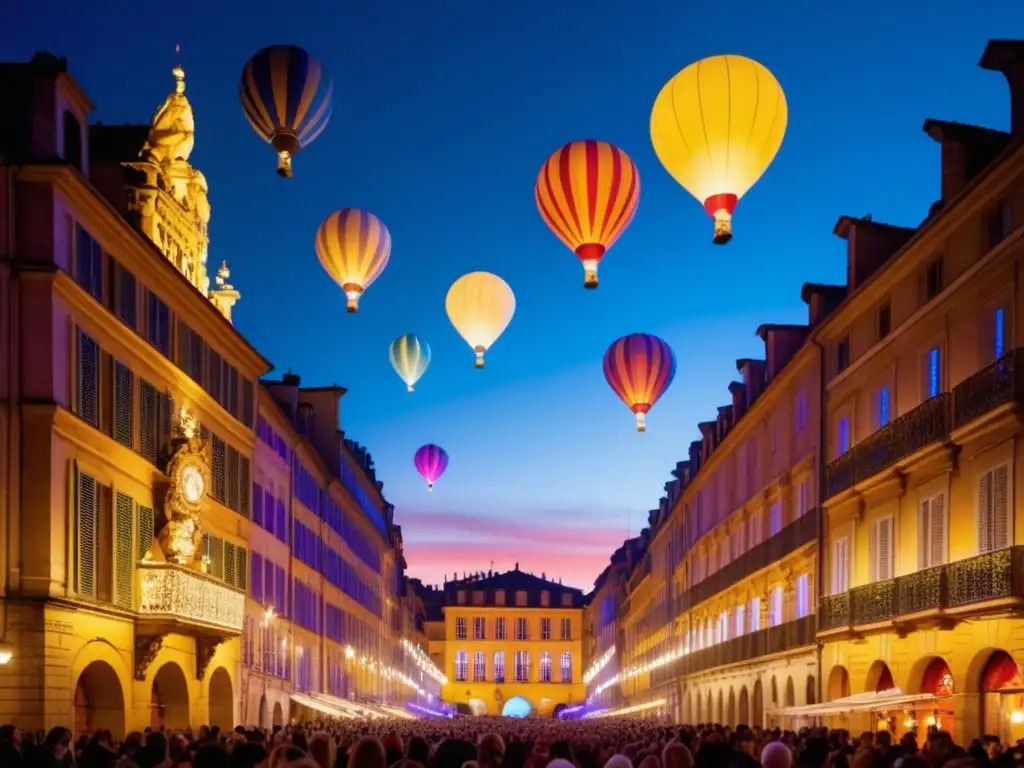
column 724, row 422
column 781, row 342
column 1007, row 56
column 821, row 300
column 869, row 244
column 966, row 151
column 752, row 372
column 291, row 379
column 707, row 431
column 739, row 400
column 695, row 457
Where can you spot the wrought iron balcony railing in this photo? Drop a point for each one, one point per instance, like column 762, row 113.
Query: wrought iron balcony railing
column 996, row 385
column 976, row 580
column 182, row 597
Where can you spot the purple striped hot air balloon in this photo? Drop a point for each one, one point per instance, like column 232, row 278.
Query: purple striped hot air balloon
column 639, row 368
column 431, row 461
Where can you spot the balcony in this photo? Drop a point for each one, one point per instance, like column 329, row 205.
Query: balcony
column 945, row 589
column 179, row 599
column 999, row 384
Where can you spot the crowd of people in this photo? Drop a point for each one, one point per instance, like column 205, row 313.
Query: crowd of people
column 486, row 742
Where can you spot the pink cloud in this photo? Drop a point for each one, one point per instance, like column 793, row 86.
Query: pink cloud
column 556, row 534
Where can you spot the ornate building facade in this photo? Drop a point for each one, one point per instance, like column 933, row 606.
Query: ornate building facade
column 181, row 545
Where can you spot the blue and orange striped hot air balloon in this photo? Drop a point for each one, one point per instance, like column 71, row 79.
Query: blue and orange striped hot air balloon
column 639, row 367
column 587, row 193
column 287, row 98
column 354, row 246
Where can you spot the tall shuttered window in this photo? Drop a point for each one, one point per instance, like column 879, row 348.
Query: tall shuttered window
column 124, row 297
column 232, row 478
column 994, row 505
column 88, row 400
column 219, row 469
column 248, row 396
column 147, row 530
column 213, row 549
column 191, row 352
column 241, row 568
column 932, row 546
column 87, row 509
column 158, row 325
column 88, row 263
column 156, row 413
column 880, row 547
column 840, row 565
column 124, row 404
column 124, row 552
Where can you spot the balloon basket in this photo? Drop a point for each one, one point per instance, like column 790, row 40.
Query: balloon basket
column 723, row 231
column 284, row 165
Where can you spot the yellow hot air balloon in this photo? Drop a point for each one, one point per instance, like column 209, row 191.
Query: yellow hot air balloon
column 480, row 306
column 716, row 127
column 354, row 247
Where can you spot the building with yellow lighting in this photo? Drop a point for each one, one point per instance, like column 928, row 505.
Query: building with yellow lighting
column 183, row 543
column 509, row 643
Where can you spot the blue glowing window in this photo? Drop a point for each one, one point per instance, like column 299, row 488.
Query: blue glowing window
column 883, row 406
column 1000, row 332
column 934, row 372
column 844, row 435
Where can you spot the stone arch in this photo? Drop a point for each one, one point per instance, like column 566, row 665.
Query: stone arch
column 790, row 692
column 999, row 682
column 879, row 678
column 710, row 714
column 699, row 712
column 929, row 674
column 263, row 711
column 278, row 718
column 775, row 692
column 169, row 698
column 99, row 700
column 732, row 707
column 222, row 700
column 757, row 712
column 838, row 683
column 811, row 691
column 721, row 707
column 744, row 712
column 102, row 650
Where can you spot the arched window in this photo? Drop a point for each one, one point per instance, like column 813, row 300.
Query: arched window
column 72, row 140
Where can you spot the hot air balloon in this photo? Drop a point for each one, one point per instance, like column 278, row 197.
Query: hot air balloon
column 410, row 358
column 480, row 306
column 287, row 98
column 639, row 367
column 431, row 461
column 354, row 246
column 716, row 127
column 587, row 193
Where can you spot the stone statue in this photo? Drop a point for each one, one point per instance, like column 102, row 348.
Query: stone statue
column 172, row 136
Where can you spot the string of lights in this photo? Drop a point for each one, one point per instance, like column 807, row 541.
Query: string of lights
column 598, row 665
column 423, row 662
column 627, row 710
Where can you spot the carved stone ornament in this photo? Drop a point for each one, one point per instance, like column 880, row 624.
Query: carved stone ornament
column 189, row 470
column 498, row 695
column 146, row 649
column 206, row 649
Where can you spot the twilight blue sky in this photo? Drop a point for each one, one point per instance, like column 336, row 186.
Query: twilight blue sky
column 444, row 112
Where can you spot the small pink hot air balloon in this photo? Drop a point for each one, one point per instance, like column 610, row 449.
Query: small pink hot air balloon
column 431, row 461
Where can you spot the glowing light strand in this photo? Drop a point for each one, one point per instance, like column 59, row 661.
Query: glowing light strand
column 598, row 665
column 423, row 662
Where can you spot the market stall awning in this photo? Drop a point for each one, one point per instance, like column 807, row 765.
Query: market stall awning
column 894, row 698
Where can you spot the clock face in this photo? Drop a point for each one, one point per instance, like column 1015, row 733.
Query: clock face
column 193, row 484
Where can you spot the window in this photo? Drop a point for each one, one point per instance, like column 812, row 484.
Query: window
column 880, row 546
column 843, row 435
column 994, row 505
column 522, row 666
column 124, row 404
column 883, row 406
column 520, row 598
column 741, row 611
column 545, row 630
column 840, row 565
column 775, row 607
column 499, row 597
column 566, row 667
column 567, row 599
column 461, row 666
column 801, row 410
column 87, row 508
column 999, row 223
column 933, row 372
column 800, row 499
column 545, row 598
column 755, row 614
column 479, row 628
column 158, row 327
column 521, row 629
column 545, row 667
column 842, row 354
column 803, row 596
column 999, row 332
column 460, row 628
column 884, row 320
column 124, row 297
column 460, row 597
column 933, row 279
column 479, row 667
column 775, row 517
column 479, row 596
column 499, row 665
column 723, row 626
column 567, row 629
column 931, row 531
column 88, row 263
column 88, row 405
column 499, row 628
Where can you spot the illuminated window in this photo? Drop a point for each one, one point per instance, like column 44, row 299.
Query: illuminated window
column 545, row 630
column 479, row 628
column 461, row 666
column 934, row 372
column 499, row 628
column 775, row 607
column 479, row 667
column 567, row 629
column 1000, row 332
column 499, row 666
column 545, row 667
column 522, row 666
column 775, row 517
column 566, row 667
column 522, row 631
column 843, row 435
column 460, row 628
column 803, row 598
column 740, row 619
column 840, row 565
column 883, row 406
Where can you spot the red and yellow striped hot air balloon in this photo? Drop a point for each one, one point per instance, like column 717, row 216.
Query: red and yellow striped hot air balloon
column 639, row 368
column 354, row 246
column 587, row 193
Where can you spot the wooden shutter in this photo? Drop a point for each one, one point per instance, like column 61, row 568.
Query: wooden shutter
column 924, row 533
column 216, row 555
column 87, row 519
column 248, row 397
column 214, row 375
column 124, row 520
column 242, row 568
column 147, row 532
column 149, row 422
column 1001, row 507
column 938, row 548
column 218, row 460
column 230, row 564
column 232, row 398
column 124, row 404
column 126, row 301
column 232, row 478
column 881, row 548
column 88, row 379
column 840, row 565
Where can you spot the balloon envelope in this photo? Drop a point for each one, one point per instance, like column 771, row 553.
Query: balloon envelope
column 410, row 358
column 716, row 127
column 354, row 247
column 287, row 98
column 431, row 461
column 639, row 368
column 587, row 193
column 480, row 305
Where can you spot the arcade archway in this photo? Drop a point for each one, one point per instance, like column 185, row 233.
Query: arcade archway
column 222, row 700
column 99, row 700
column 169, row 706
